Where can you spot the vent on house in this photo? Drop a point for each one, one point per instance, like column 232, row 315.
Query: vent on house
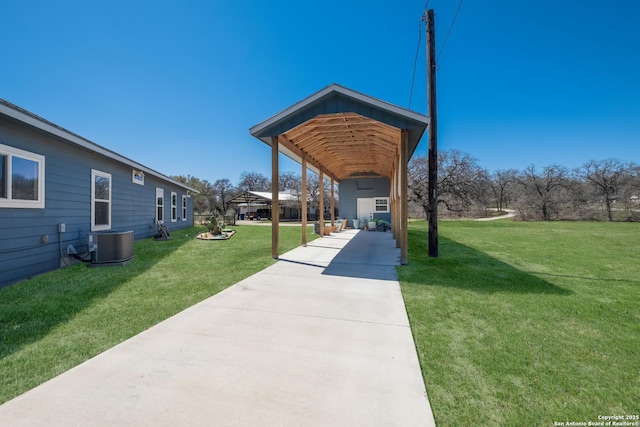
column 111, row 248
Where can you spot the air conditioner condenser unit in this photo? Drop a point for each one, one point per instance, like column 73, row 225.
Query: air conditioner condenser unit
column 111, row 248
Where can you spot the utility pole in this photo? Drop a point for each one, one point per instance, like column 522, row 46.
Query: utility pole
column 433, row 135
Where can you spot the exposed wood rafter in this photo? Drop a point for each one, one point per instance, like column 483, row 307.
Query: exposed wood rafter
column 345, row 145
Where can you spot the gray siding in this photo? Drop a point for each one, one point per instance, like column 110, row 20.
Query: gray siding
column 349, row 193
column 68, row 200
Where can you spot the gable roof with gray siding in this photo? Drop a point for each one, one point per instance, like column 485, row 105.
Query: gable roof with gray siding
column 31, row 242
column 28, row 118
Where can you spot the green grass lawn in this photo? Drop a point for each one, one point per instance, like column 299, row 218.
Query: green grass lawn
column 54, row 322
column 526, row 323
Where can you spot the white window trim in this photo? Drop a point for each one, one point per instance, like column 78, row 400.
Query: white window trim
column 174, row 206
column 33, row 204
column 158, row 192
column 184, row 208
column 137, row 177
column 94, row 174
column 375, row 205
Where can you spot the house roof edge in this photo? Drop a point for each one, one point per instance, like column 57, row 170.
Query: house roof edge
column 24, row 116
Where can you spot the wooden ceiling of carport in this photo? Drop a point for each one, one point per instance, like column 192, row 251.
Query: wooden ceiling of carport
column 343, row 133
column 345, row 145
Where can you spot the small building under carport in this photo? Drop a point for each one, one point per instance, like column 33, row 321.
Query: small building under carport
column 357, row 141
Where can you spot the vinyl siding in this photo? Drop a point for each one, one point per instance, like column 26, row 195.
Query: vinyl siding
column 349, row 194
column 68, row 200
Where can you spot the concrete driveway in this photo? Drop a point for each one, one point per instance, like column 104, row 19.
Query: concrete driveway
column 321, row 338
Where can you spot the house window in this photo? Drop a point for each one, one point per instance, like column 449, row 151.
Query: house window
column 174, row 207
column 382, row 204
column 21, row 178
column 184, row 207
column 137, row 177
column 159, row 205
column 364, row 184
column 100, row 200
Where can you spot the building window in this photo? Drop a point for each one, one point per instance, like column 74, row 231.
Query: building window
column 100, row 200
column 382, row 204
column 174, row 207
column 184, row 207
column 21, row 178
column 159, row 205
column 364, row 184
column 137, row 177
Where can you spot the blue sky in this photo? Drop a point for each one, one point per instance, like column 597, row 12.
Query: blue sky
column 177, row 85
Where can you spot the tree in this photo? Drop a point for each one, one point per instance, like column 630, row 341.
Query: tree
column 501, row 184
column 253, row 181
column 418, row 182
column 542, row 191
column 204, row 201
column 288, row 181
column 224, row 191
column 461, row 182
column 313, row 191
column 607, row 177
column 630, row 192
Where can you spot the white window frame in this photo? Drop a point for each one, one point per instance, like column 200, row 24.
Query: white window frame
column 375, row 204
column 184, row 207
column 96, row 173
column 137, row 177
column 8, row 202
column 174, row 206
column 159, row 194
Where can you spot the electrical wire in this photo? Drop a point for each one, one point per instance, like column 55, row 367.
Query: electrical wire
column 415, row 61
column 446, row 38
column 453, row 21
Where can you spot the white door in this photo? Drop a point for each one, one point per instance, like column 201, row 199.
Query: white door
column 366, row 208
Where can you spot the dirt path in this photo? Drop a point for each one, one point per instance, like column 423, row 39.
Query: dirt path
column 510, row 214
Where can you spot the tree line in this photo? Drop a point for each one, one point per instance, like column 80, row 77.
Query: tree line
column 215, row 197
column 599, row 190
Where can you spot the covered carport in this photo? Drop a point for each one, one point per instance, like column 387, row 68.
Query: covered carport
column 343, row 134
column 250, row 198
column 258, row 199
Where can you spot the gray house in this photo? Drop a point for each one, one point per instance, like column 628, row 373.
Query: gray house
column 57, row 189
column 365, row 198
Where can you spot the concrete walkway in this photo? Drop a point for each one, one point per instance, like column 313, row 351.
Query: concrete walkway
column 321, row 338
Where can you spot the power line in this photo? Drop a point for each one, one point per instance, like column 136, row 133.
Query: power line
column 449, row 32
column 415, row 61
